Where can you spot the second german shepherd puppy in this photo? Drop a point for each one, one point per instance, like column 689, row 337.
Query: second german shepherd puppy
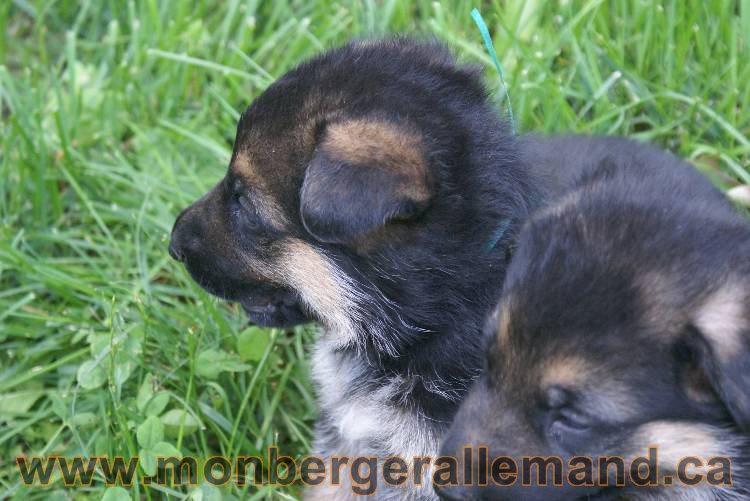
column 624, row 326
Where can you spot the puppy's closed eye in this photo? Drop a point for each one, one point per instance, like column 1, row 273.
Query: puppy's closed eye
column 566, row 423
column 244, row 212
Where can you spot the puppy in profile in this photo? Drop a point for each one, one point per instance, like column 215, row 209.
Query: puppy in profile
column 624, row 325
column 373, row 190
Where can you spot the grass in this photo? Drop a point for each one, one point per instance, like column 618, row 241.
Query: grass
column 117, row 114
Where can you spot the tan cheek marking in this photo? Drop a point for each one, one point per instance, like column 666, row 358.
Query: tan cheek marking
column 255, row 269
column 321, row 286
column 608, row 397
column 372, row 142
column 675, row 440
column 722, row 319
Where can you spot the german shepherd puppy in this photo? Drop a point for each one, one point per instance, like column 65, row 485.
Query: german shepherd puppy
column 624, row 325
column 373, row 190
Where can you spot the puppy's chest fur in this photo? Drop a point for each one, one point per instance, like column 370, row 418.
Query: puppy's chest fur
column 364, row 414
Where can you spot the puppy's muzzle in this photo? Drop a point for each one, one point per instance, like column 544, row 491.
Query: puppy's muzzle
column 195, row 246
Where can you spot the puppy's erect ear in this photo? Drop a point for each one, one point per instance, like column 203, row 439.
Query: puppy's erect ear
column 722, row 324
column 364, row 174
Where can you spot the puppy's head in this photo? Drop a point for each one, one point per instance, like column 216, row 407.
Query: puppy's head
column 614, row 335
column 348, row 188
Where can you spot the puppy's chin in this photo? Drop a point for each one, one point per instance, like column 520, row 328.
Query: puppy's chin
column 266, row 305
column 279, row 308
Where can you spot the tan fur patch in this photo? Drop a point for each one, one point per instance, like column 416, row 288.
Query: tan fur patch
column 611, row 399
column 373, row 142
column 602, row 394
column 675, row 440
column 243, row 166
column 722, row 318
column 268, row 210
column 265, row 205
column 321, row 286
column 502, row 315
column 566, row 371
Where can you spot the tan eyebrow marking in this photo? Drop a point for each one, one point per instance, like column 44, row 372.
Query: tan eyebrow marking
column 602, row 393
column 266, row 206
column 565, row 370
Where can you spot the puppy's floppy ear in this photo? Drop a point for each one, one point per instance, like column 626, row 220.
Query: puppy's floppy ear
column 722, row 326
column 364, row 173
